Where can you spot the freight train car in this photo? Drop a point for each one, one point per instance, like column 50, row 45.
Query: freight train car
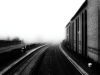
column 83, row 30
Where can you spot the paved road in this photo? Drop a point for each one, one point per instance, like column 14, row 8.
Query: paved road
column 55, row 63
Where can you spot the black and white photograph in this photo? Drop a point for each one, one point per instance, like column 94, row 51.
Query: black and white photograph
column 49, row 37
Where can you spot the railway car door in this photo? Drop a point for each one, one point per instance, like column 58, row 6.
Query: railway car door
column 77, row 35
column 84, row 33
column 73, row 36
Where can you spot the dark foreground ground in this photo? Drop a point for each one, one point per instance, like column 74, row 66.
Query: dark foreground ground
column 49, row 60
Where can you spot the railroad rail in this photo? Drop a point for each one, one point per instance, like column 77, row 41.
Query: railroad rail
column 19, row 65
column 9, row 48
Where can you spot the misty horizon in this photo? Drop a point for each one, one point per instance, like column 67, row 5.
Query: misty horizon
column 36, row 21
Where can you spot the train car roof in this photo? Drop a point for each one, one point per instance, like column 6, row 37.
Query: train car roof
column 67, row 24
column 81, row 8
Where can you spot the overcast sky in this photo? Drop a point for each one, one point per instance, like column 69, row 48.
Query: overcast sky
column 36, row 20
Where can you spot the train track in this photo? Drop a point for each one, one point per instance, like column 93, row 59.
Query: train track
column 46, row 60
column 24, row 65
column 54, row 63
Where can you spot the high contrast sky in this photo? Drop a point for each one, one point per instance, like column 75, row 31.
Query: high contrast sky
column 36, row 20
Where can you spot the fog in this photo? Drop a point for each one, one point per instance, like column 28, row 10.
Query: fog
column 36, row 20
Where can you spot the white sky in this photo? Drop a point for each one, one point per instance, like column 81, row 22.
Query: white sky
column 36, row 20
